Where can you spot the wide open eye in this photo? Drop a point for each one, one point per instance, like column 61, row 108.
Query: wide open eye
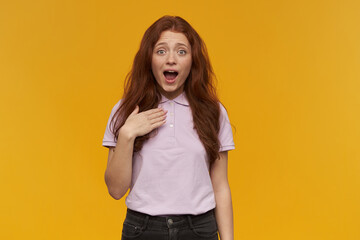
column 182, row 52
column 161, row 51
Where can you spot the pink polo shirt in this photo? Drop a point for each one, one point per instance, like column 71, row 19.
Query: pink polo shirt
column 171, row 172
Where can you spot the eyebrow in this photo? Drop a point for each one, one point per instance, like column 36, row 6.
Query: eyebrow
column 164, row 43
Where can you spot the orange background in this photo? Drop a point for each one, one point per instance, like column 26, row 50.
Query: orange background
column 288, row 73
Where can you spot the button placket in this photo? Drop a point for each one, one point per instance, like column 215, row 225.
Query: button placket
column 172, row 116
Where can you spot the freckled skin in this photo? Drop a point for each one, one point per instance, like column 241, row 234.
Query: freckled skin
column 171, row 51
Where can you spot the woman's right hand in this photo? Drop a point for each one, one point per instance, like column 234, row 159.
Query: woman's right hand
column 139, row 124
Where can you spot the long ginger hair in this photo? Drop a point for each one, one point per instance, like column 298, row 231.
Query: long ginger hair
column 141, row 87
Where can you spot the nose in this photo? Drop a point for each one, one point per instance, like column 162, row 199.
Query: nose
column 171, row 58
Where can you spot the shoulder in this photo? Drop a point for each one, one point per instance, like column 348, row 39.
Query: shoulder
column 222, row 107
column 223, row 111
column 115, row 107
column 117, row 104
column 114, row 110
column 225, row 131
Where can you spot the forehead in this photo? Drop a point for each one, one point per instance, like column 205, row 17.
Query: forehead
column 170, row 37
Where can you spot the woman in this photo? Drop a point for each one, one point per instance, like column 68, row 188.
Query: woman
column 168, row 139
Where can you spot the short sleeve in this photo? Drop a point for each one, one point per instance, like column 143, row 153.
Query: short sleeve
column 108, row 140
column 225, row 133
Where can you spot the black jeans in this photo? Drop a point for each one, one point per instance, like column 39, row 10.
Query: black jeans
column 173, row 227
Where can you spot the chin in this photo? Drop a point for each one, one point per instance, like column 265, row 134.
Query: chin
column 170, row 89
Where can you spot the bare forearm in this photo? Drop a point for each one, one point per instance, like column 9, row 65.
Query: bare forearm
column 119, row 168
column 224, row 213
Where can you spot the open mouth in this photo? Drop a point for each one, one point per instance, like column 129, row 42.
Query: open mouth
column 170, row 75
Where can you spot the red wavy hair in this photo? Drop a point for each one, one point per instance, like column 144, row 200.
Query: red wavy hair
column 141, row 87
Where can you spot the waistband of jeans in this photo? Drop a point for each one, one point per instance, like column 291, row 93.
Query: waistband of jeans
column 174, row 217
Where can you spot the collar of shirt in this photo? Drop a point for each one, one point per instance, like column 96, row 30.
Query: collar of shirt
column 181, row 99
